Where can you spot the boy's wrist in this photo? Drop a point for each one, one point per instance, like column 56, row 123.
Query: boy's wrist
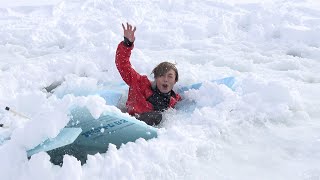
column 127, row 42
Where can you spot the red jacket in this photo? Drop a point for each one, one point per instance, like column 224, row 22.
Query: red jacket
column 139, row 86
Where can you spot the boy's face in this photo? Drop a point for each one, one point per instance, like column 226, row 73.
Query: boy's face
column 166, row 82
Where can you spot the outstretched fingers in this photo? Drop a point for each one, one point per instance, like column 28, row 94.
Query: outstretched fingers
column 128, row 32
column 129, row 27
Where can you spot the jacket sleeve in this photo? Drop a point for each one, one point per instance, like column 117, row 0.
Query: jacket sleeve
column 128, row 74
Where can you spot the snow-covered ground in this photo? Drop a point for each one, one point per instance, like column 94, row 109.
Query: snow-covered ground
column 267, row 128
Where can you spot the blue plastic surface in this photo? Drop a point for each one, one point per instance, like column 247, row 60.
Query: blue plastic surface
column 228, row 81
column 65, row 137
column 95, row 136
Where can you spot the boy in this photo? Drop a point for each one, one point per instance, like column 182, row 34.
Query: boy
column 146, row 99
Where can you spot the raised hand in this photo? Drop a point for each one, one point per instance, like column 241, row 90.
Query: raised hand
column 129, row 32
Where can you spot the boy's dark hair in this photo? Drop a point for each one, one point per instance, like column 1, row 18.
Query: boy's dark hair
column 163, row 68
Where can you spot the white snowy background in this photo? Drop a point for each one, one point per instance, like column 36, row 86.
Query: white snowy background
column 267, row 128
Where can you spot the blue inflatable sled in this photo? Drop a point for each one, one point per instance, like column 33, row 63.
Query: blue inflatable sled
column 86, row 135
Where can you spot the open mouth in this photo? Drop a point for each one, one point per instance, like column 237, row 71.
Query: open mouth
column 165, row 86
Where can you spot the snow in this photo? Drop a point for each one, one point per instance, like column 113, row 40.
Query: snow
column 267, row 128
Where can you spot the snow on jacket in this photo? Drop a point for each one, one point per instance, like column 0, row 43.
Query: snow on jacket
column 140, row 88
